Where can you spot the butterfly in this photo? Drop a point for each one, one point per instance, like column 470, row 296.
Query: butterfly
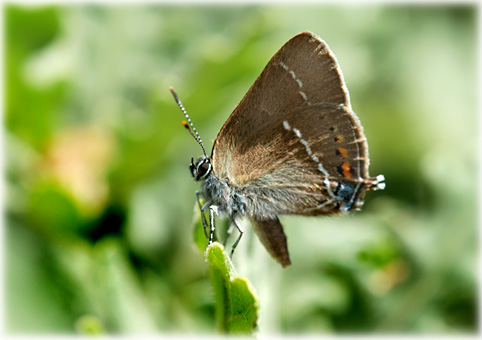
column 292, row 146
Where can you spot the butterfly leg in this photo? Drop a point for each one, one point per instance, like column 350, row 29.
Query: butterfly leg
column 213, row 209
column 202, row 209
column 241, row 231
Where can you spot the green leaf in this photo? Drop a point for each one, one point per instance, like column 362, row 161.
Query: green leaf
column 236, row 304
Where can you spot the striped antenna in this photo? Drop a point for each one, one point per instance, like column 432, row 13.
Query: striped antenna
column 190, row 127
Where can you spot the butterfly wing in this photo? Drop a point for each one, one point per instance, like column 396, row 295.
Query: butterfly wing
column 290, row 72
column 314, row 161
column 303, row 152
column 271, row 235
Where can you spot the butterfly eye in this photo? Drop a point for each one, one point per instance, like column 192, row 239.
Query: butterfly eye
column 202, row 168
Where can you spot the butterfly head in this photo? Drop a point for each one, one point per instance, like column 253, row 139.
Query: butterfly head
column 201, row 169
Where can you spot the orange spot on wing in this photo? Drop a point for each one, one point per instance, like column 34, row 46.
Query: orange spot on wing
column 342, row 152
column 339, row 139
column 346, row 169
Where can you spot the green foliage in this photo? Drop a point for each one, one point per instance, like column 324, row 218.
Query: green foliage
column 235, row 301
column 89, row 325
column 27, row 32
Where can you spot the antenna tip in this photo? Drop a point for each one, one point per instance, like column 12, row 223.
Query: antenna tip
column 174, row 94
column 185, row 123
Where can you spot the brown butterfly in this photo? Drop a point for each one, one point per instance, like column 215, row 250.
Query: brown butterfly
column 292, row 146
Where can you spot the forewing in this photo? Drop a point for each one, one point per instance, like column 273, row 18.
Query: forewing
column 303, row 72
column 293, row 144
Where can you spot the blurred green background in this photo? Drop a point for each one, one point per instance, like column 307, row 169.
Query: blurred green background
column 99, row 199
